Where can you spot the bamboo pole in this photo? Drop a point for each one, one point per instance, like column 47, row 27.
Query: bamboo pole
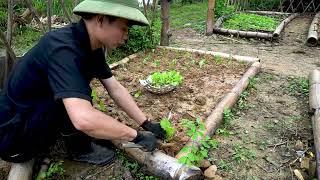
column 164, row 41
column 313, row 31
column 162, row 165
column 247, row 34
column 35, row 15
column 246, row 59
column 63, row 4
column 210, row 17
column 269, row 13
column 314, row 102
column 215, row 118
column 283, row 24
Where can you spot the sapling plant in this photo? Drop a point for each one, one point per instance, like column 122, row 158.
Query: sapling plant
column 167, row 126
column 159, row 79
column 99, row 102
column 201, row 144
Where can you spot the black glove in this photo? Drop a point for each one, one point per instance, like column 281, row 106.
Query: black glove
column 147, row 140
column 155, row 128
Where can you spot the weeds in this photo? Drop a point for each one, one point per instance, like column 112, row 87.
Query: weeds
column 55, row 171
column 242, row 102
column 134, row 167
column 101, row 105
column 224, row 165
column 195, row 154
column 243, row 154
column 168, row 128
column 298, row 86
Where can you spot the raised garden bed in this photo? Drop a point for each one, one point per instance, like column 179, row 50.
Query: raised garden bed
column 210, row 84
column 254, row 24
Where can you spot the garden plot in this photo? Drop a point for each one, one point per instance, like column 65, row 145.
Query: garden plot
column 253, row 25
column 207, row 79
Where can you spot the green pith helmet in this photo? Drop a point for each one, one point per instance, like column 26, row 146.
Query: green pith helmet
column 128, row 9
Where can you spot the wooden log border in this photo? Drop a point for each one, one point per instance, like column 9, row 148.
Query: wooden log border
column 168, row 167
column 313, row 36
column 254, row 34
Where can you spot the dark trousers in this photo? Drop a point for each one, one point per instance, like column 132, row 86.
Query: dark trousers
column 26, row 132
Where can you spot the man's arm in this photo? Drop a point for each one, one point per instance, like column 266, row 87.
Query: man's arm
column 95, row 123
column 123, row 99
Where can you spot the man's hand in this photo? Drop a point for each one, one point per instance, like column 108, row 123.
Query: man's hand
column 155, row 128
column 147, row 140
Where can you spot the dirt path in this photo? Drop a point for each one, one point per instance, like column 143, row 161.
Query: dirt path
column 264, row 138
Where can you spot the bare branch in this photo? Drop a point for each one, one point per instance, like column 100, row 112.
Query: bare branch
column 65, row 11
column 35, row 14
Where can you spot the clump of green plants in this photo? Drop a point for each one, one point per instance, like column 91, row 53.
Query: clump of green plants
column 168, row 128
column 55, row 171
column 242, row 154
column 298, row 86
column 99, row 102
column 251, row 22
column 202, row 144
column 159, row 79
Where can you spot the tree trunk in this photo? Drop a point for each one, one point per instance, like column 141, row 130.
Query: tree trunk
column 49, row 13
column 34, row 14
column 145, row 7
column 210, row 17
column 74, row 4
column 165, row 23
column 10, row 57
column 64, row 8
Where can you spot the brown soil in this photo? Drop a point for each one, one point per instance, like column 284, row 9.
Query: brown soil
column 200, row 92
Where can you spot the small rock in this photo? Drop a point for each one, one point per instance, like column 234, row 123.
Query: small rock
column 305, row 163
column 217, row 177
column 205, row 164
column 299, row 145
column 211, row 171
column 200, row 100
column 298, row 174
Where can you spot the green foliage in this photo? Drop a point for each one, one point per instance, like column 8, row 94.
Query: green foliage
column 228, row 116
column 140, row 38
column 173, row 78
column 101, row 105
column 298, row 86
column 242, row 102
column 25, row 38
column 168, row 128
column 226, row 166
column 252, row 83
column 195, row 154
column 134, row 167
column 55, row 171
column 222, row 10
column 202, row 62
column 251, row 22
column 263, row 5
column 242, row 154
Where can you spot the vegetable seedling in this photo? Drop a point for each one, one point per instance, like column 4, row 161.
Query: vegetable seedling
column 159, row 79
column 167, row 127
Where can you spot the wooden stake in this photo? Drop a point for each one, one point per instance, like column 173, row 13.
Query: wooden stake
column 21, row 171
column 165, row 23
column 210, row 17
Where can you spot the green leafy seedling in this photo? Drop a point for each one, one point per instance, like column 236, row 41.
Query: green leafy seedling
column 168, row 128
column 202, row 62
column 166, row 78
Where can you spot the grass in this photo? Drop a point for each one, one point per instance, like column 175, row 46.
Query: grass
column 251, row 22
column 192, row 15
column 25, row 39
column 298, row 86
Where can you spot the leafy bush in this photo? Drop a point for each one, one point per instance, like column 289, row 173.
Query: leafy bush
column 140, row 38
column 243, row 21
column 264, row 5
column 222, row 10
column 159, row 79
column 195, row 154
